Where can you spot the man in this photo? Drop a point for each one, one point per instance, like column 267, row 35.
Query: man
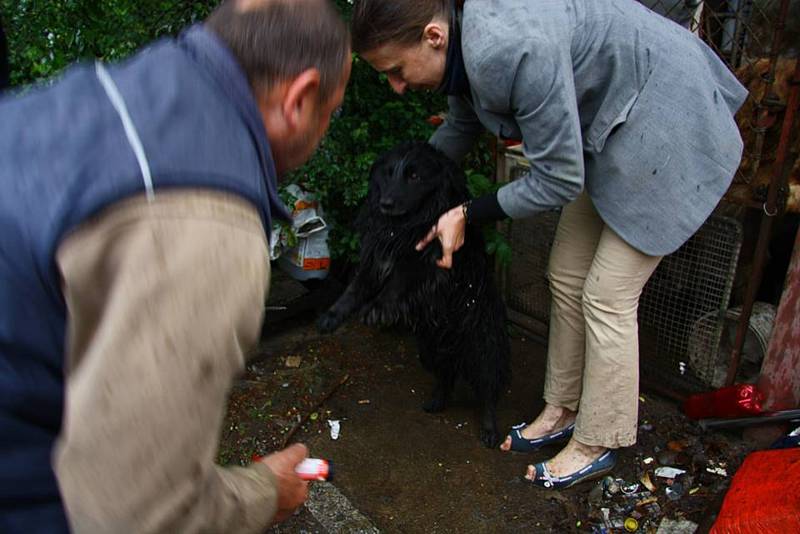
column 135, row 202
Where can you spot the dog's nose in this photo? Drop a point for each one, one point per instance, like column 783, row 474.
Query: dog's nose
column 387, row 203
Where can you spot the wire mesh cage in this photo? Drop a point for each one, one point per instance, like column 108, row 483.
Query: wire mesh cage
column 683, row 306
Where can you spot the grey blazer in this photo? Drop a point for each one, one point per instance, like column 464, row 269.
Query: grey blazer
column 606, row 95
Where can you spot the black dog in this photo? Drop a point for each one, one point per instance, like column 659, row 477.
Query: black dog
column 457, row 314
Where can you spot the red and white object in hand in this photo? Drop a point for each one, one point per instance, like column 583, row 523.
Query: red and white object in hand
column 314, row 469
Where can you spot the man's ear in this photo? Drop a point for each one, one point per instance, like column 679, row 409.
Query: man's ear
column 301, row 99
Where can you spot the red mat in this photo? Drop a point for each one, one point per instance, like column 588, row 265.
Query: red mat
column 764, row 496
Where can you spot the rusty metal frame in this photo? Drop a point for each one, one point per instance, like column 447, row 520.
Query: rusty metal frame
column 772, row 206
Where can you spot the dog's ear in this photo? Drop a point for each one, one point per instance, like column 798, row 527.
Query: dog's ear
column 373, row 187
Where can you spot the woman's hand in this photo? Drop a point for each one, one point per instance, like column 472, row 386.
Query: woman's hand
column 450, row 231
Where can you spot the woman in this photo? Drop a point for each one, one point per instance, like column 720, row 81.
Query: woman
column 627, row 122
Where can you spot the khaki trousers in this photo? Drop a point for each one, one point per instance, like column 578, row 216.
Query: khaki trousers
column 596, row 279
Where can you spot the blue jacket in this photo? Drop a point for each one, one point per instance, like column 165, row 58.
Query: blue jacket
column 65, row 157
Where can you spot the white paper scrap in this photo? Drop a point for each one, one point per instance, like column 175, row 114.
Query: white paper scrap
column 334, row 424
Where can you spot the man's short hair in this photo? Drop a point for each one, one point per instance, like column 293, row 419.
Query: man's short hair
column 276, row 40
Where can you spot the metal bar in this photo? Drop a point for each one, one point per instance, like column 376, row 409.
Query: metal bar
column 740, row 32
column 528, row 323
column 762, row 111
column 663, row 390
column 770, row 206
column 739, row 422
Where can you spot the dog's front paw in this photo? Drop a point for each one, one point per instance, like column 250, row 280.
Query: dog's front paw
column 490, row 437
column 328, row 322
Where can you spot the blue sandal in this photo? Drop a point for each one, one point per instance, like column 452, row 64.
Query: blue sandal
column 598, row 468
column 520, row 444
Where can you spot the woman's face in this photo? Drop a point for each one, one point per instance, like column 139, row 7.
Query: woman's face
column 416, row 67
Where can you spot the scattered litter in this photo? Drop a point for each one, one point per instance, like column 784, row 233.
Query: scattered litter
column 646, row 427
column 631, row 525
column 654, row 511
column 364, row 401
column 641, row 399
column 313, row 416
column 717, row 471
column 676, row 526
column 646, row 482
column 682, row 367
column 596, row 494
column 334, row 424
column 648, row 500
column 669, row 472
column 667, row 457
column 627, row 489
column 677, row 445
column 285, row 385
column 648, row 460
column 610, row 486
column 675, row 491
column 792, row 439
column 694, row 490
column 461, row 425
column 606, row 516
column 294, row 361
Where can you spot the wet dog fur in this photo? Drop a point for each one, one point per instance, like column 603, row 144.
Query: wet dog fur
column 457, row 315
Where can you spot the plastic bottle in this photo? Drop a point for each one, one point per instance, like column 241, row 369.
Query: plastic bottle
column 732, row 401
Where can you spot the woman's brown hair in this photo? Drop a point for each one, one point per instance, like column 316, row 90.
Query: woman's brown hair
column 378, row 22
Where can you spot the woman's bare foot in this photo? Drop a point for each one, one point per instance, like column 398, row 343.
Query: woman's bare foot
column 571, row 459
column 552, row 419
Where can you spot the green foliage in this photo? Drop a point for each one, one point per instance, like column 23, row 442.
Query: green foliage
column 47, row 35
column 496, row 243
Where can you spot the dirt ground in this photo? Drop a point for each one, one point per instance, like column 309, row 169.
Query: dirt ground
column 412, row 472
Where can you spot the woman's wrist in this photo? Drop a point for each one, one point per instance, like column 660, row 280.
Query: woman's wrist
column 485, row 209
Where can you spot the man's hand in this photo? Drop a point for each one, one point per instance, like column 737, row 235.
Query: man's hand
column 450, row 231
column 292, row 490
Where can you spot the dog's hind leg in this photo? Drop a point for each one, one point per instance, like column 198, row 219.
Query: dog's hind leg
column 489, row 434
column 443, row 373
column 489, row 379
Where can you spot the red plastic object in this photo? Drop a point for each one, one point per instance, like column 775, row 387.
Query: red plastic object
column 435, row 120
column 732, row 401
column 763, row 496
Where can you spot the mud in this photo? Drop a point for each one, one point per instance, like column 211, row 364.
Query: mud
column 409, row 471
